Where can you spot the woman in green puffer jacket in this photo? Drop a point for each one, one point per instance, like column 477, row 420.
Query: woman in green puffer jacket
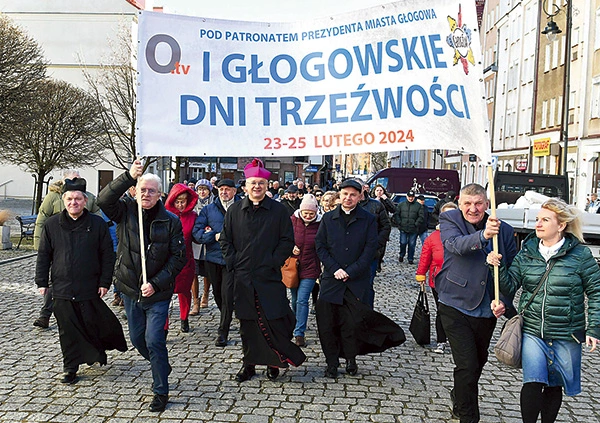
column 554, row 324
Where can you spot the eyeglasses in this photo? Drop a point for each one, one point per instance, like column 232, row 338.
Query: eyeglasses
column 149, row 191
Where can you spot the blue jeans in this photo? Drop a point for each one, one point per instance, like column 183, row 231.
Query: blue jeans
column 147, row 333
column 411, row 241
column 423, row 237
column 300, row 297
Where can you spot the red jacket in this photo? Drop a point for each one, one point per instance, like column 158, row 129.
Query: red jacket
column 432, row 257
column 183, row 282
column 304, row 239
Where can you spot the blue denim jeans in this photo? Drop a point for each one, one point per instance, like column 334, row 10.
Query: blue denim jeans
column 411, row 241
column 147, row 333
column 300, row 297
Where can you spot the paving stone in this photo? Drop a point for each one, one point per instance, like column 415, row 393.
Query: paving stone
column 408, row 384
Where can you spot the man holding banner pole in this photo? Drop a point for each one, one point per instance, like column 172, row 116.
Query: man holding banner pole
column 150, row 254
column 466, row 289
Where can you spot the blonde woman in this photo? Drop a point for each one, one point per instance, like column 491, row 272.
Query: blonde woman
column 554, row 324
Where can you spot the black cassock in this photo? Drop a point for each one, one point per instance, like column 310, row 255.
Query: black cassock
column 87, row 329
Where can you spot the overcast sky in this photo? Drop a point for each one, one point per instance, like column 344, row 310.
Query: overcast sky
column 264, row 10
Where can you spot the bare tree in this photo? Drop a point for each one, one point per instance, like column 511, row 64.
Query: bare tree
column 112, row 85
column 22, row 65
column 379, row 161
column 60, row 130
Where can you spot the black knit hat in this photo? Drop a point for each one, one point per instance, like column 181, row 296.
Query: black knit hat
column 75, row 184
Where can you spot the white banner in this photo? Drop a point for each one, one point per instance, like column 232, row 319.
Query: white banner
column 401, row 76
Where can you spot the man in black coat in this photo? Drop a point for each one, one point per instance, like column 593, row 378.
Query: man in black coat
column 76, row 254
column 256, row 239
column 346, row 245
column 146, row 302
column 291, row 200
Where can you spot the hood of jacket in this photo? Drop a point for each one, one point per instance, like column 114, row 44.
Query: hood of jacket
column 175, row 192
column 531, row 243
column 317, row 219
column 57, row 187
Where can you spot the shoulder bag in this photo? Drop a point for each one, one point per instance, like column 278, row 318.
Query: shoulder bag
column 289, row 273
column 508, row 347
column 420, row 323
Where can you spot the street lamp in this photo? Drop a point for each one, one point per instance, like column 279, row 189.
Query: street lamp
column 551, row 31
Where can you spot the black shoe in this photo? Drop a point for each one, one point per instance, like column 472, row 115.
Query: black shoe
column 221, row 341
column 245, row 373
column 411, row 262
column 70, row 378
column 185, row 326
column 272, row 372
column 400, row 259
column 42, row 322
column 351, row 367
column 159, row 403
column 454, row 411
column 331, row 372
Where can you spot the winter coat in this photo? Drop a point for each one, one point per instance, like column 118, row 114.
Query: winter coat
column 408, row 216
column 291, row 206
column 200, row 250
column 558, row 309
column 389, row 205
column 384, row 225
column 255, row 242
column 425, row 223
column 53, row 204
column 352, row 248
column 212, row 216
column 77, row 256
column 165, row 251
column 462, row 282
column 432, row 257
column 304, row 239
column 183, row 281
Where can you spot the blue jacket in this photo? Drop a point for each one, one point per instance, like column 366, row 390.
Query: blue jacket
column 351, row 248
column 212, row 215
column 463, row 280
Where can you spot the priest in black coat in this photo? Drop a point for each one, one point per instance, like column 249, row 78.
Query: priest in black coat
column 76, row 258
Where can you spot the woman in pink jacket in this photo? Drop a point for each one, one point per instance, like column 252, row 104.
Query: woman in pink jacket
column 181, row 201
column 432, row 259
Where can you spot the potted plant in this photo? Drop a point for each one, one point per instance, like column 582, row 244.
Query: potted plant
column 5, row 230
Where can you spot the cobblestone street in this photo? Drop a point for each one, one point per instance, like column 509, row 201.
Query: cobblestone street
column 405, row 384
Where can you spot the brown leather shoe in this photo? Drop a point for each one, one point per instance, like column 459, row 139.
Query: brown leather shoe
column 300, row 341
column 196, row 308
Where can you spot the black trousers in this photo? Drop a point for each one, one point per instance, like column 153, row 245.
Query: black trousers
column 222, row 284
column 337, row 331
column 469, row 339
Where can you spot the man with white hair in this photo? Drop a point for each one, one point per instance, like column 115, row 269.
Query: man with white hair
column 146, row 302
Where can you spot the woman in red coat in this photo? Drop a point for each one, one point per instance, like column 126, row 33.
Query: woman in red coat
column 432, row 259
column 306, row 222
column 181, row 201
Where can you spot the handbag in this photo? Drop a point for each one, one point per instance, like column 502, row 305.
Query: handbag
column 289, row 273
column 508, row 347
column 420, row 323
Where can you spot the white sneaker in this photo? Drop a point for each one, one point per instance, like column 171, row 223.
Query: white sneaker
column 441, row 346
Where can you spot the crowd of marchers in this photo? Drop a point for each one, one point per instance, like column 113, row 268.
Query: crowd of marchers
column 235, row 238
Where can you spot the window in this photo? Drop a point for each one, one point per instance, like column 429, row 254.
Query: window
column 544, row 113
column 547, row 57
column 595, row 100
column 555, row 53
column 552, row 117
column 597, row 34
